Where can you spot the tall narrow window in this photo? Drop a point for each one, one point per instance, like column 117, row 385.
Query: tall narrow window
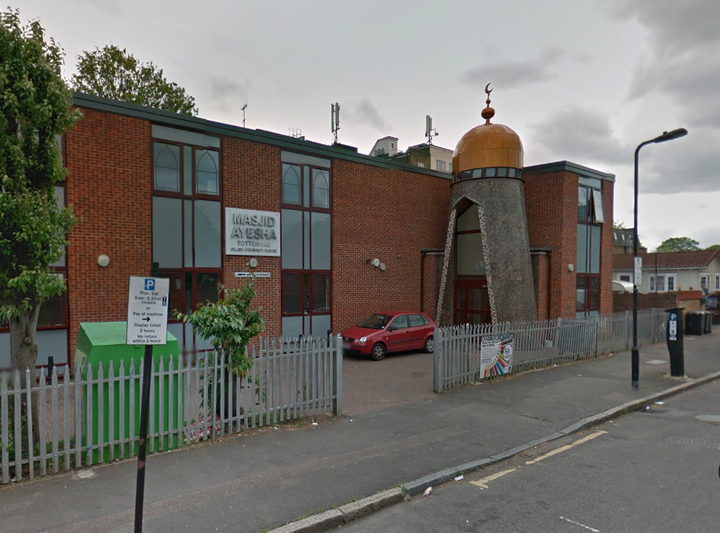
column 187, row 220
column 306, row 245
column 589, row 240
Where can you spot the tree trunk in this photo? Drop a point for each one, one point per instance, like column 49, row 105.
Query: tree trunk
column 23, row 353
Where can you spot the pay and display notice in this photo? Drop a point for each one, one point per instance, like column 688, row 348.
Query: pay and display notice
column 148, row 310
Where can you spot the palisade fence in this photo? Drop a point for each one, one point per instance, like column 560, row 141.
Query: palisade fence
column 539, row 343
column 92, row 415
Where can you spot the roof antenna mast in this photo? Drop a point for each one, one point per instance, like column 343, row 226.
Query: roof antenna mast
column 335, row 120
column 243, row 110
column 430, row 132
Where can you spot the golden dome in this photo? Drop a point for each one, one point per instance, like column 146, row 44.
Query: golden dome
column 488, row 145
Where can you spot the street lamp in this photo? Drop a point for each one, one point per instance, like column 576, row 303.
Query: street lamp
column 666, row 136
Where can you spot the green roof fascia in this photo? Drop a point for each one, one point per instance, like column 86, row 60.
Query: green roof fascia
column 187, row 122
column 567, row 166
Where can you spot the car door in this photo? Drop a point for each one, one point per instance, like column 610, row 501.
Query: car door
column 418, row 330
column 396, row 334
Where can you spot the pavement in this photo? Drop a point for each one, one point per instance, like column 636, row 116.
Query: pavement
column 305, row 477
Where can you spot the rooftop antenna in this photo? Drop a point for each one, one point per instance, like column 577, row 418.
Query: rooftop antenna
column 243, row 110
column 335, row 120
column 430, row 132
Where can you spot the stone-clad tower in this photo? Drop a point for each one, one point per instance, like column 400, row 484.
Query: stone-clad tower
column 487, row 273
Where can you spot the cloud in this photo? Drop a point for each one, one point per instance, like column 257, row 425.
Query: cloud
column 109, row 6
column 683, row 62
column 366, row 113
column 581, row 135
column 684, row 67
column 516, row 73
column 673, row 25
column 228, row 93
column 684, row 165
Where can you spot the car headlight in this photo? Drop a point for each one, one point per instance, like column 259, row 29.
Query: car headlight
column 362, row 340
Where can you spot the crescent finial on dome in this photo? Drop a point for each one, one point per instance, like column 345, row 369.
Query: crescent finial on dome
column 488, row 112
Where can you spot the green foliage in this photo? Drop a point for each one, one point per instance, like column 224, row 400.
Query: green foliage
column 229, row 324
column 114, row 73
column 34, row 109
column 713, row 247
column 678, row 244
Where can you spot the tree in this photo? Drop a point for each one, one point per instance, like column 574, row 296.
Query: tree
column 114, row 73
column 678, row 244
column 35, row 108
column 713, row 247
column 229, row 324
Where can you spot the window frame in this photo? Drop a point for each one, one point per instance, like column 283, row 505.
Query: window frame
column 585, row 223
column 707, row 278
column 184, row 197
column 667, row 280
column 193, row 166
column 306, row 207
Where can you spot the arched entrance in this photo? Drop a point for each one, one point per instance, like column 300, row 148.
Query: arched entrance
column 471, row 302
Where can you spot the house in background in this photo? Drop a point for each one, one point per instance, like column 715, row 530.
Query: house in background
column 675, row 271
column 385, row 147
column 420, row 155
column 428, row 156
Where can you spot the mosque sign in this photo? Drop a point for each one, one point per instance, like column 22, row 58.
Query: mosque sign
column 250, row 232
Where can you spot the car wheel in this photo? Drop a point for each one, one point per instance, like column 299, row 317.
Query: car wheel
column 429, row 345
column 378, row 352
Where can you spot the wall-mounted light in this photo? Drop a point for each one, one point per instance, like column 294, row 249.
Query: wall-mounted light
column 103, row 260
column 253, row 262
column 571, row 268
column 375, row 262
column 382, row 267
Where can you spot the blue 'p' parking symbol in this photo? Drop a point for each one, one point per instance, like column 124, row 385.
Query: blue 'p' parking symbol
column 149, row 284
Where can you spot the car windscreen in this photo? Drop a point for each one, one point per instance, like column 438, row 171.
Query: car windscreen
column 375, row 321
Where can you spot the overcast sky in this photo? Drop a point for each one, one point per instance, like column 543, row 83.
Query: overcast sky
column 578, row 80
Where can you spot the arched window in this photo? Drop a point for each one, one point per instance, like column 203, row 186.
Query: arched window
column 207, row 172
column 321, row 189
column 167, row 167
column 291, row 184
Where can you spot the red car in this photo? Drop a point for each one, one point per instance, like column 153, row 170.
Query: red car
column 383, row 333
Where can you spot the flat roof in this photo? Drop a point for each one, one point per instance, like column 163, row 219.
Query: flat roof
column 568, row 166
column 187, row 122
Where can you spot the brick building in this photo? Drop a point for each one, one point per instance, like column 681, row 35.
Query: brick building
column 204, row 203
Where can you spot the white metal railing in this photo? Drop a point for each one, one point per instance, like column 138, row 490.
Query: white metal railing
column 457, row 359
column 90, row 415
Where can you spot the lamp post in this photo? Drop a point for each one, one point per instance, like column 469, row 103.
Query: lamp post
column 666, row 136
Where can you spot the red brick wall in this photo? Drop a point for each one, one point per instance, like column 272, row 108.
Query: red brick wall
column 551, row 202
column 606, row 253
column 389, row 215
column 251, row 180
column 109, row 186
column 541, row 274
